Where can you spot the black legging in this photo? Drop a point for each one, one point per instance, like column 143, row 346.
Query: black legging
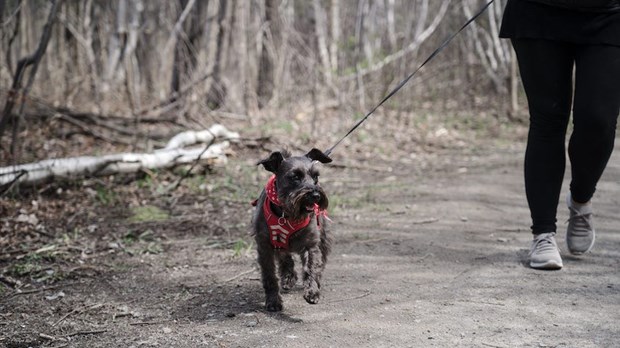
column 546, row 69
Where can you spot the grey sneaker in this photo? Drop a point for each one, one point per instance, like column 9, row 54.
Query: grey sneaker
column 544, row 253
column 580, row 231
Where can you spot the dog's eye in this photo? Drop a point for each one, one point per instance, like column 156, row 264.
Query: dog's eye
column 315, row 177
column 296, row 176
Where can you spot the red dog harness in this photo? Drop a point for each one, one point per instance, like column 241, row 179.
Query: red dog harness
column 281, row 228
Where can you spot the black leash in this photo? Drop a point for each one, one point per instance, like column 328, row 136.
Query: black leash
column 403, row 82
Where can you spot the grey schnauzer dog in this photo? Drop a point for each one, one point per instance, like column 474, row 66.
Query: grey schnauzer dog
column 290, row 217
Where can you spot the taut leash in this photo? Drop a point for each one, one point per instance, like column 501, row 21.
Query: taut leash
column 403, row 82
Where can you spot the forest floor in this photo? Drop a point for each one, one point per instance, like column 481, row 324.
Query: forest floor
column 430, row 250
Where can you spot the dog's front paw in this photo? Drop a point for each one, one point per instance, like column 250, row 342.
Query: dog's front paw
column 274, row 304
column 288, row 281
column 312, row 296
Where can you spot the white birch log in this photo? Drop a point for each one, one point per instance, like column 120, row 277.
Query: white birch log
column 205, row 136
column 172, row 155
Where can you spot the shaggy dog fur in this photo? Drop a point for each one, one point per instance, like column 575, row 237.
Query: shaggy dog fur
column 300, row 197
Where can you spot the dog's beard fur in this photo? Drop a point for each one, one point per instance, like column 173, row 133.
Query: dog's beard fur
column 299, row 204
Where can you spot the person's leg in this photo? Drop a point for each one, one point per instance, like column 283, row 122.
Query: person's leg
column 546, row 69
column 595, row 113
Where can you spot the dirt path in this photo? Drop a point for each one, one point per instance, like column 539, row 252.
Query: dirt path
column 423, row 258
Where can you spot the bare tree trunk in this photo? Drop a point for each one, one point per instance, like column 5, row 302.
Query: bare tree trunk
column 489, row 48
column 266, row 65
column 18, row 94
column 359, row 38
column 132, row 73
column 87, row 29
column 335, row 33
column 187, row 46
column 2, row 5
column 320, row 27
column 117, row 43
column 18, row 16
column 422, row 33
column 77, row 38
column 243, row 13
column 391, row 25
column 366, row 30
column 68, row 51
column 217, row 91
column 177, row 64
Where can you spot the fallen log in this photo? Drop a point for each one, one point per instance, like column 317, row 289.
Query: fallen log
column 172, row 155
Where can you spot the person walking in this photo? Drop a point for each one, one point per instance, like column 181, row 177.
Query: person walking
column 568, row 52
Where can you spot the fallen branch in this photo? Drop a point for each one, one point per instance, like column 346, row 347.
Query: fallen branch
column 141, row 323
column 65, row 338
column 172, row 155
column 87, row 332
column 27, row 292
column 240, row 275
column 351, row 298
column 90, row 131
column 51, row 338
column 76, row 311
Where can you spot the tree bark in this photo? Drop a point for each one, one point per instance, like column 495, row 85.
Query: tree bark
column 391, row 25
column 18, row 94
column 489, row 49
column 243, row 14
column 181, row 51
column 422, row 33
column 187, row 47
column 266, row 61
column 335, row 33
column 320, row 27
column 217, row 92
column 117, row 43
column 18, row 16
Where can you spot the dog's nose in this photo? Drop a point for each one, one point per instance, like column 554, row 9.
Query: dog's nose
column 316, row 196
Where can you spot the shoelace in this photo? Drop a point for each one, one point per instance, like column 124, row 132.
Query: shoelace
column 544, row 244
column 581, row 222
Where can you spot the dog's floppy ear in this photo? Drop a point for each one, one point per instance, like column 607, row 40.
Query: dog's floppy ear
column 273, row 162
column 318, row 155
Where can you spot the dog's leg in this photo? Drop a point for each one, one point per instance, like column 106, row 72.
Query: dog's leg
column 288, row 276
column 273, row 301
column 312, row 265
column 325, row 248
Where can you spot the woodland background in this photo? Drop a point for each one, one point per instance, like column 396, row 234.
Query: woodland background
column 426, row 197
column 93, row 76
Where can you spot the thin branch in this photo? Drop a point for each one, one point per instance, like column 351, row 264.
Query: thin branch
column 17, row 93
column 176, row 186
column 7, row 187
column 14, row 14
column 178, row 27
column 9, row 59
column 418, row 40
column 240, row 275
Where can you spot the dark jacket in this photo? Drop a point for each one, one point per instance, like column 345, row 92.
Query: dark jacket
column 552, row 20
column 584, row 5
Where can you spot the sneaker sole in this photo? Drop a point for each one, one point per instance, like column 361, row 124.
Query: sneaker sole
column 577, row 252
column 548, row 265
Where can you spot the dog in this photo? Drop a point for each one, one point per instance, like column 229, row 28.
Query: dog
column 290, row 217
